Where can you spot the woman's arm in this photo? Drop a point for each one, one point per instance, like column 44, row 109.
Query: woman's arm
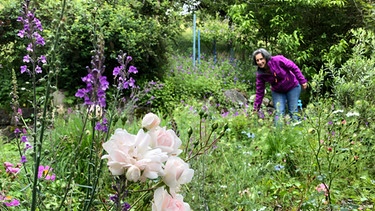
column 259, row 93
column 292, row 67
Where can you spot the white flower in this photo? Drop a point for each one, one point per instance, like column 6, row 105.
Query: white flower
column 166, row 140
column 165, row 202
column 133, row 173
column 177, row 172
column 133, row 155
column 150, row 121
column 349, row 114
column 337, row 111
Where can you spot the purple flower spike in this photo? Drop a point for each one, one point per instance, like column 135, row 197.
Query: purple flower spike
column 125, row 207
column 24, row 139
column 21, row 33
column 39, row 39
column 124, row 81
column 31, row 25
column 117, row 70
column 38, row 24
column 24, row 69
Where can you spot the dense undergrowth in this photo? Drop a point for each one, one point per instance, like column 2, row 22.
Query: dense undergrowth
column 240, row 161
column 322, row 163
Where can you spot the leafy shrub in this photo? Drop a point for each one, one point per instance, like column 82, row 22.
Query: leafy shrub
column 204, row 81
column 354, row 81
column 75, row 26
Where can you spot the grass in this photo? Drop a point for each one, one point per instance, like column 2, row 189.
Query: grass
column 255, row 166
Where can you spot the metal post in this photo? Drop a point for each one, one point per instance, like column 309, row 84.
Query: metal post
column 194, row 25
column 199, row 46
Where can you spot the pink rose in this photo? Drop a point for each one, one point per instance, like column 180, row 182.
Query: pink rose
column 119, row 148
column 177, row 172
column 166, row 140
column 127, row 153
column 133, row 173
column 165, row 202
column 150, row 121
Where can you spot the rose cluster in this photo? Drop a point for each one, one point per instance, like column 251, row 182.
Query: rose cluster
column 151, row 154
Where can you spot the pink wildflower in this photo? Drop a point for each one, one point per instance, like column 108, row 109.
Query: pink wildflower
column 12, row 203
column 322, row 188
column 45, row 172
column 10, row 169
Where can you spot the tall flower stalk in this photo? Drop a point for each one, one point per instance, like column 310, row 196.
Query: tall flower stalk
column 94, row 97
column 33, row 66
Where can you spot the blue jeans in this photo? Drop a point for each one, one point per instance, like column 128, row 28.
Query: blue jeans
column 291, row 98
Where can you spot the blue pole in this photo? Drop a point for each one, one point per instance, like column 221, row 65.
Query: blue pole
column 199, row 46
column 194, row 23
column 214, row 47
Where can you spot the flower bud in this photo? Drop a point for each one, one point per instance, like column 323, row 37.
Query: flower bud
column 115, row 119
column 124, row 119
column 201, row 114
column 226, row 126
column 190, row 132
column 214, row 126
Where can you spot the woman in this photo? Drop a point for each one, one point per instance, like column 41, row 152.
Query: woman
column 285, row 79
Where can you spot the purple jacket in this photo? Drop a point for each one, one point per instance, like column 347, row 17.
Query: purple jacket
column 284, row 76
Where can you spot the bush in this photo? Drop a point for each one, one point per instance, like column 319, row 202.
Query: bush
column 75, row 26
column 354, row 82
column 206, row 81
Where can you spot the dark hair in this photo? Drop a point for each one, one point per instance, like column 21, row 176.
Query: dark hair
column 265, row 54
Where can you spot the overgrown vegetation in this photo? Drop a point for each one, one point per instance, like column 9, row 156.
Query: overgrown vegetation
column 241, row 161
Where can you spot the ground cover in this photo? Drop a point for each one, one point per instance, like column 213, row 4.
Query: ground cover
column 241, row 161
column 322, row 163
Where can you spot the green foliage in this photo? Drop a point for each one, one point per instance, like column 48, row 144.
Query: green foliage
column 353, row 82
column 300, row 30
column 255, row 166
column 205, row 81
column 124, row 25
column 216, row 33
column 5, row 77
column 244, row 23
column 335, row 137
column 239, row 128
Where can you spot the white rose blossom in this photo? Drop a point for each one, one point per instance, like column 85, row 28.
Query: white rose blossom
column 166, row 140
column 127, row 151
column 150, row 121
column 163, row 201
column 176, row 173
column 151, row 155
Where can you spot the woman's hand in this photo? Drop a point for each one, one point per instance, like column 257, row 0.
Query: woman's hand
column 304, row 86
